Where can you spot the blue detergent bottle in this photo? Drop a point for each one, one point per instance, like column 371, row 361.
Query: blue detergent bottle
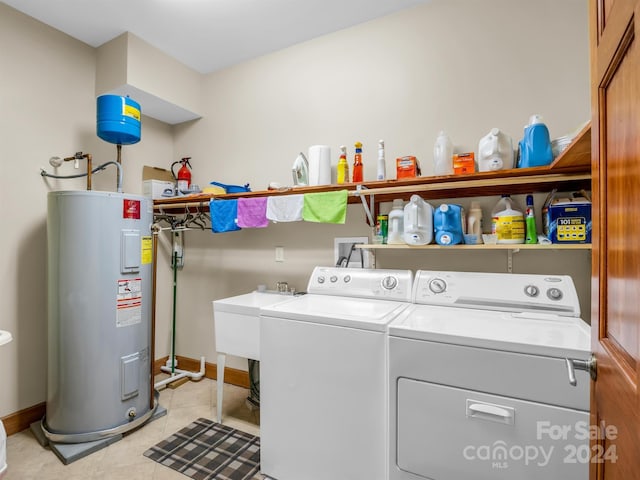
column 448, row 223
column 535, row 147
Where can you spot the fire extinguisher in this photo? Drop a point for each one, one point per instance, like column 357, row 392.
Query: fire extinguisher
column 183, row 178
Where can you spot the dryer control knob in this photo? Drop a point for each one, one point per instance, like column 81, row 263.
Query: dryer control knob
column 320, row 279
column 346, row 279
column 389, row 283
column 554, row 293
column 333, row 279
column 437, row 285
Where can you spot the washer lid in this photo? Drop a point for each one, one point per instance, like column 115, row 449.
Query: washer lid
column 249, row 303
column 364, row 314
column 533, row 333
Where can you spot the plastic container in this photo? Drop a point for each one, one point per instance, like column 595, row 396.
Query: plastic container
column 531, row 235
column 507, row 222
column 342, row 170
column 382, row 167
column 118, row 119
column 418, row 222
column 474, row 224
column 449, row 224
column 495, row 151
column 535, row 146
column 357, row 164
column 443, row 155
column 396, row 223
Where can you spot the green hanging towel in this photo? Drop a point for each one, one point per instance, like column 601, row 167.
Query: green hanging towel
column 325, row 207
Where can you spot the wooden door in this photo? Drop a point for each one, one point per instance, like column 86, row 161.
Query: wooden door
column 615, row 79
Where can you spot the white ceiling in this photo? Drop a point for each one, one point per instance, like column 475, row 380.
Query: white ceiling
column 207, row 35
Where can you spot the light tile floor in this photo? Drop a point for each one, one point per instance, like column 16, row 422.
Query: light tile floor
column 27, row 460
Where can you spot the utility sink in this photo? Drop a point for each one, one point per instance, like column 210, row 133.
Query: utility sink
column 237, row 329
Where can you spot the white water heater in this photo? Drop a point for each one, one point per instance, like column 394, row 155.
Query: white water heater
column 99, row 315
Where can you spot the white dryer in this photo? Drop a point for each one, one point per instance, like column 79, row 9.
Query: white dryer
column 323, row 376
column 483, row 380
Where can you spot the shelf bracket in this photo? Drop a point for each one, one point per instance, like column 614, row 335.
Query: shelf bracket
column 510, row 253
column 367, row 209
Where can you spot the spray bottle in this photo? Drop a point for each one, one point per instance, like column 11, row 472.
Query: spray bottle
column 382, row 168
column 530, row 222
column 343, row 166
column 357, row 164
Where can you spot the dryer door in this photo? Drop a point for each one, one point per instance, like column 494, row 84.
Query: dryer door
column 445, row 432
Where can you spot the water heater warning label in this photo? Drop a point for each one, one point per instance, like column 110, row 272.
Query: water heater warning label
column 129, row 302
column 146, row 254
column 131, row 209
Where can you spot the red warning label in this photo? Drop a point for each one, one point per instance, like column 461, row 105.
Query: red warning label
column 131, row 209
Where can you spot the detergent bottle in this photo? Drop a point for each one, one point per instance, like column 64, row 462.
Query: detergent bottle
column 507, row 221
column 418, row 222
column 474, row 224
column 396, row 223
column 495, row 151
column 443, row 155
column 343, row 167
column 448, row 224
column 535, row 146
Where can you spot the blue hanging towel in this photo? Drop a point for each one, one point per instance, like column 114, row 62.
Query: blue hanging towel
column 224, row 215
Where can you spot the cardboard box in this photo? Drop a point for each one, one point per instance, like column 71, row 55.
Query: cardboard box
column 155, row 188
column 568, row 221
column 407, row 167
column 464, row 163
column 155, row 181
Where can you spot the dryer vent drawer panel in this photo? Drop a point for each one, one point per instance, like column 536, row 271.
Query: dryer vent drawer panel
column 448, row 433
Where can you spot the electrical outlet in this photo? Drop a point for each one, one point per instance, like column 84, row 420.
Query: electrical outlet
column 279, row 254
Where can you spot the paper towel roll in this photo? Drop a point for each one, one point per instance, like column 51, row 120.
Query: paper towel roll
column 319, row 165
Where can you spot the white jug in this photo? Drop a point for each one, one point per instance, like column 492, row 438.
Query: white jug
column 495, row 151
column 443, row 155
column 418, row 222
column 319, row 165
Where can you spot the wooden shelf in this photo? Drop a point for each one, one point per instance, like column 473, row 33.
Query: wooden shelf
column 570, row 171
column 555, row 246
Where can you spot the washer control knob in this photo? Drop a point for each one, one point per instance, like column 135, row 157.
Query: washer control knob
column 346, row 279
column 389, row 282
column 321, row 279
column 333, row 278
column 531, row 291
column 554, row 293
column 437, row 285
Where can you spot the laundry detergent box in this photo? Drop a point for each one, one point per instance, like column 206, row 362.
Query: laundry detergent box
column 568, row 220
column 407, row 167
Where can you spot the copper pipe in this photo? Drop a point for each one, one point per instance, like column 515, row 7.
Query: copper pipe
column 88, row 157
column 152, row 343
column 80, row 156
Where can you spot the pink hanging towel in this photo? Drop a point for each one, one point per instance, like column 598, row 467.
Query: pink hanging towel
column 252, row 212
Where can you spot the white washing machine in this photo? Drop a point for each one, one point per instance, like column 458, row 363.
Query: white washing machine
column 323, row 376
column 484, row 382
column 237, row 330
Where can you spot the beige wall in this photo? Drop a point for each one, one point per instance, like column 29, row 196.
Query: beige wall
column 465, row 66
column 462, row 65
column 47, row 99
